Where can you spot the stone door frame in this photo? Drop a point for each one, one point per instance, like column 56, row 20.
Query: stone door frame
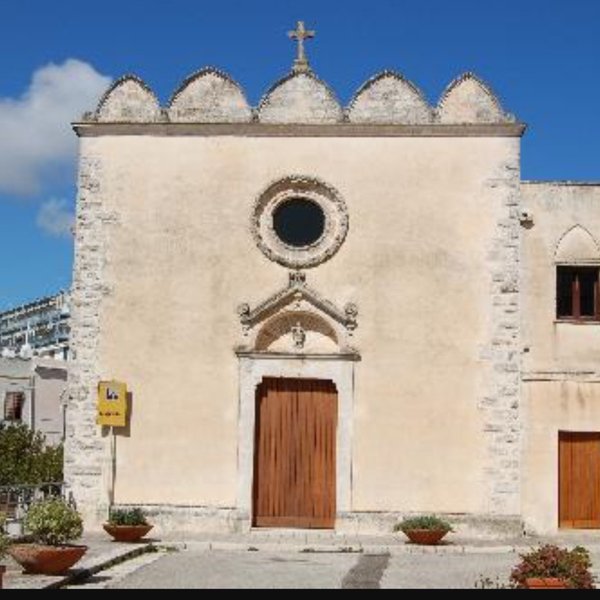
column 253, row 367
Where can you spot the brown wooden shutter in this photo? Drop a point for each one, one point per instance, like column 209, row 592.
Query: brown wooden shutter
column 13, row 406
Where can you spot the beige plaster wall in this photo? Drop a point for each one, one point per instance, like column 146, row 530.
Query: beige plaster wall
column 181, row 258
column 561, row 362
column 555, row 209
column 552, row 407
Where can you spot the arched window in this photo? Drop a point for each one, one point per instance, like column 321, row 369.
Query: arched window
column 13, row 406
column 578, row 276
column 577, row 296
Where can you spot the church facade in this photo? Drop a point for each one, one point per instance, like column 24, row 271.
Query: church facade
column 362, row 312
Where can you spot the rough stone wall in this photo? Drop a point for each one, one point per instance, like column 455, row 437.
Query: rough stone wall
column 500, row 403
column 209, row 97
column 389, row 98
column 84, row 446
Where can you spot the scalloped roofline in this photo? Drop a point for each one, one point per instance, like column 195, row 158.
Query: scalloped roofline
column 289, row 77
column 208, row 70
column 120, row 81
column 484, row 85
column 383, row 75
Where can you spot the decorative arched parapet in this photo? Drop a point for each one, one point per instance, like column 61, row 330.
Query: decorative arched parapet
column 129, row 100
column 577, row 247
column 209, row 96
column 300, row 98
column 390, row 98
column 298, row 320
column 469, row 100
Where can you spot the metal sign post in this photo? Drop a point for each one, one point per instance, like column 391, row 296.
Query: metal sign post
column 112, row 413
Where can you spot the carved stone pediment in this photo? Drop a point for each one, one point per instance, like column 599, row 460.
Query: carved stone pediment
column 297, row 319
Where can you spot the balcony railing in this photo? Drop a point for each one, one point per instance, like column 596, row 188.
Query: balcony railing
column 16, row 500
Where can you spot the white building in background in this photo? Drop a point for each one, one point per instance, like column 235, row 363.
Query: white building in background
column 40, row 328
column 33, row 393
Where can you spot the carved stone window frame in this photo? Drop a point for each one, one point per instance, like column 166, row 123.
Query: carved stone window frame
column 326, row 197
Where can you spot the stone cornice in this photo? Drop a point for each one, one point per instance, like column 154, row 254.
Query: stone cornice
column 296, row 130
column 342, row 356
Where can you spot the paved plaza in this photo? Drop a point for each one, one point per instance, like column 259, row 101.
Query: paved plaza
column 304, row 560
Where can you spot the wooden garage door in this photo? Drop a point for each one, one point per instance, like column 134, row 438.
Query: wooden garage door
column 295, row 458
column 579, row 480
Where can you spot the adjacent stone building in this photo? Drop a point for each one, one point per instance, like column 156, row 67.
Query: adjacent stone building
column 362, row 312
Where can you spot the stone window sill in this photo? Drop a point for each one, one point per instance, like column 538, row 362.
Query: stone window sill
column 574, row 322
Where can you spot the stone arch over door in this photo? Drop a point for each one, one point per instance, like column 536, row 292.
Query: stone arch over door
column 296, row 333
column 297, row 330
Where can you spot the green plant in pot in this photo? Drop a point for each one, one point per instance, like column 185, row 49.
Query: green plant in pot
column 427, row 530
column 127, row 525
column 4, row 545
column 52, row 525
column 552, row 567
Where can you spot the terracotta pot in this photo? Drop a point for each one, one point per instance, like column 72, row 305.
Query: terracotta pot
column 425, row 537
column 128, row 533
column 545, row 583
column 2, row 571
column 37, row 559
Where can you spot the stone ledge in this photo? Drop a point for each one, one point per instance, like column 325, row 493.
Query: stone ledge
column 296, row 130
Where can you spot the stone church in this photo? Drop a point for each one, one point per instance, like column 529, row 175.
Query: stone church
column 329, row 317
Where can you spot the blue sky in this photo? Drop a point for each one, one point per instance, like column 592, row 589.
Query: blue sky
column 542, row 57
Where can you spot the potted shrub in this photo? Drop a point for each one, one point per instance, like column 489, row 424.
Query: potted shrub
column 4, row 545
column 51, row 525
column 127, row 525
column 427, row 530
column 553, row 567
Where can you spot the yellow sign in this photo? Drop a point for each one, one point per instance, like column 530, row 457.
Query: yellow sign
column 112, row 404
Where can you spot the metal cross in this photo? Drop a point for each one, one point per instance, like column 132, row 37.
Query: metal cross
column 300, row 35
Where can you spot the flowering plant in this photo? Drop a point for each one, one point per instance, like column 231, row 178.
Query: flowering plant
column 572, row 566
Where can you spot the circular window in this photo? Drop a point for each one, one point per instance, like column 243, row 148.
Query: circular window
column 299, row 222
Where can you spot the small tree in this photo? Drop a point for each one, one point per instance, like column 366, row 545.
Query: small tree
column 25, row 459
column 53, row 522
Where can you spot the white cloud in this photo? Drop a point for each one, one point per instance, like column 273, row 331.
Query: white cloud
column 56, row 218
column 36, row 140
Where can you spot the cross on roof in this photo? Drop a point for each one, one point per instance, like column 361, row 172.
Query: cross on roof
column 300, row 34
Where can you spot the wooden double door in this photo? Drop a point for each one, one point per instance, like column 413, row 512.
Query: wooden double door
column 579, row 468
column 295, row 455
